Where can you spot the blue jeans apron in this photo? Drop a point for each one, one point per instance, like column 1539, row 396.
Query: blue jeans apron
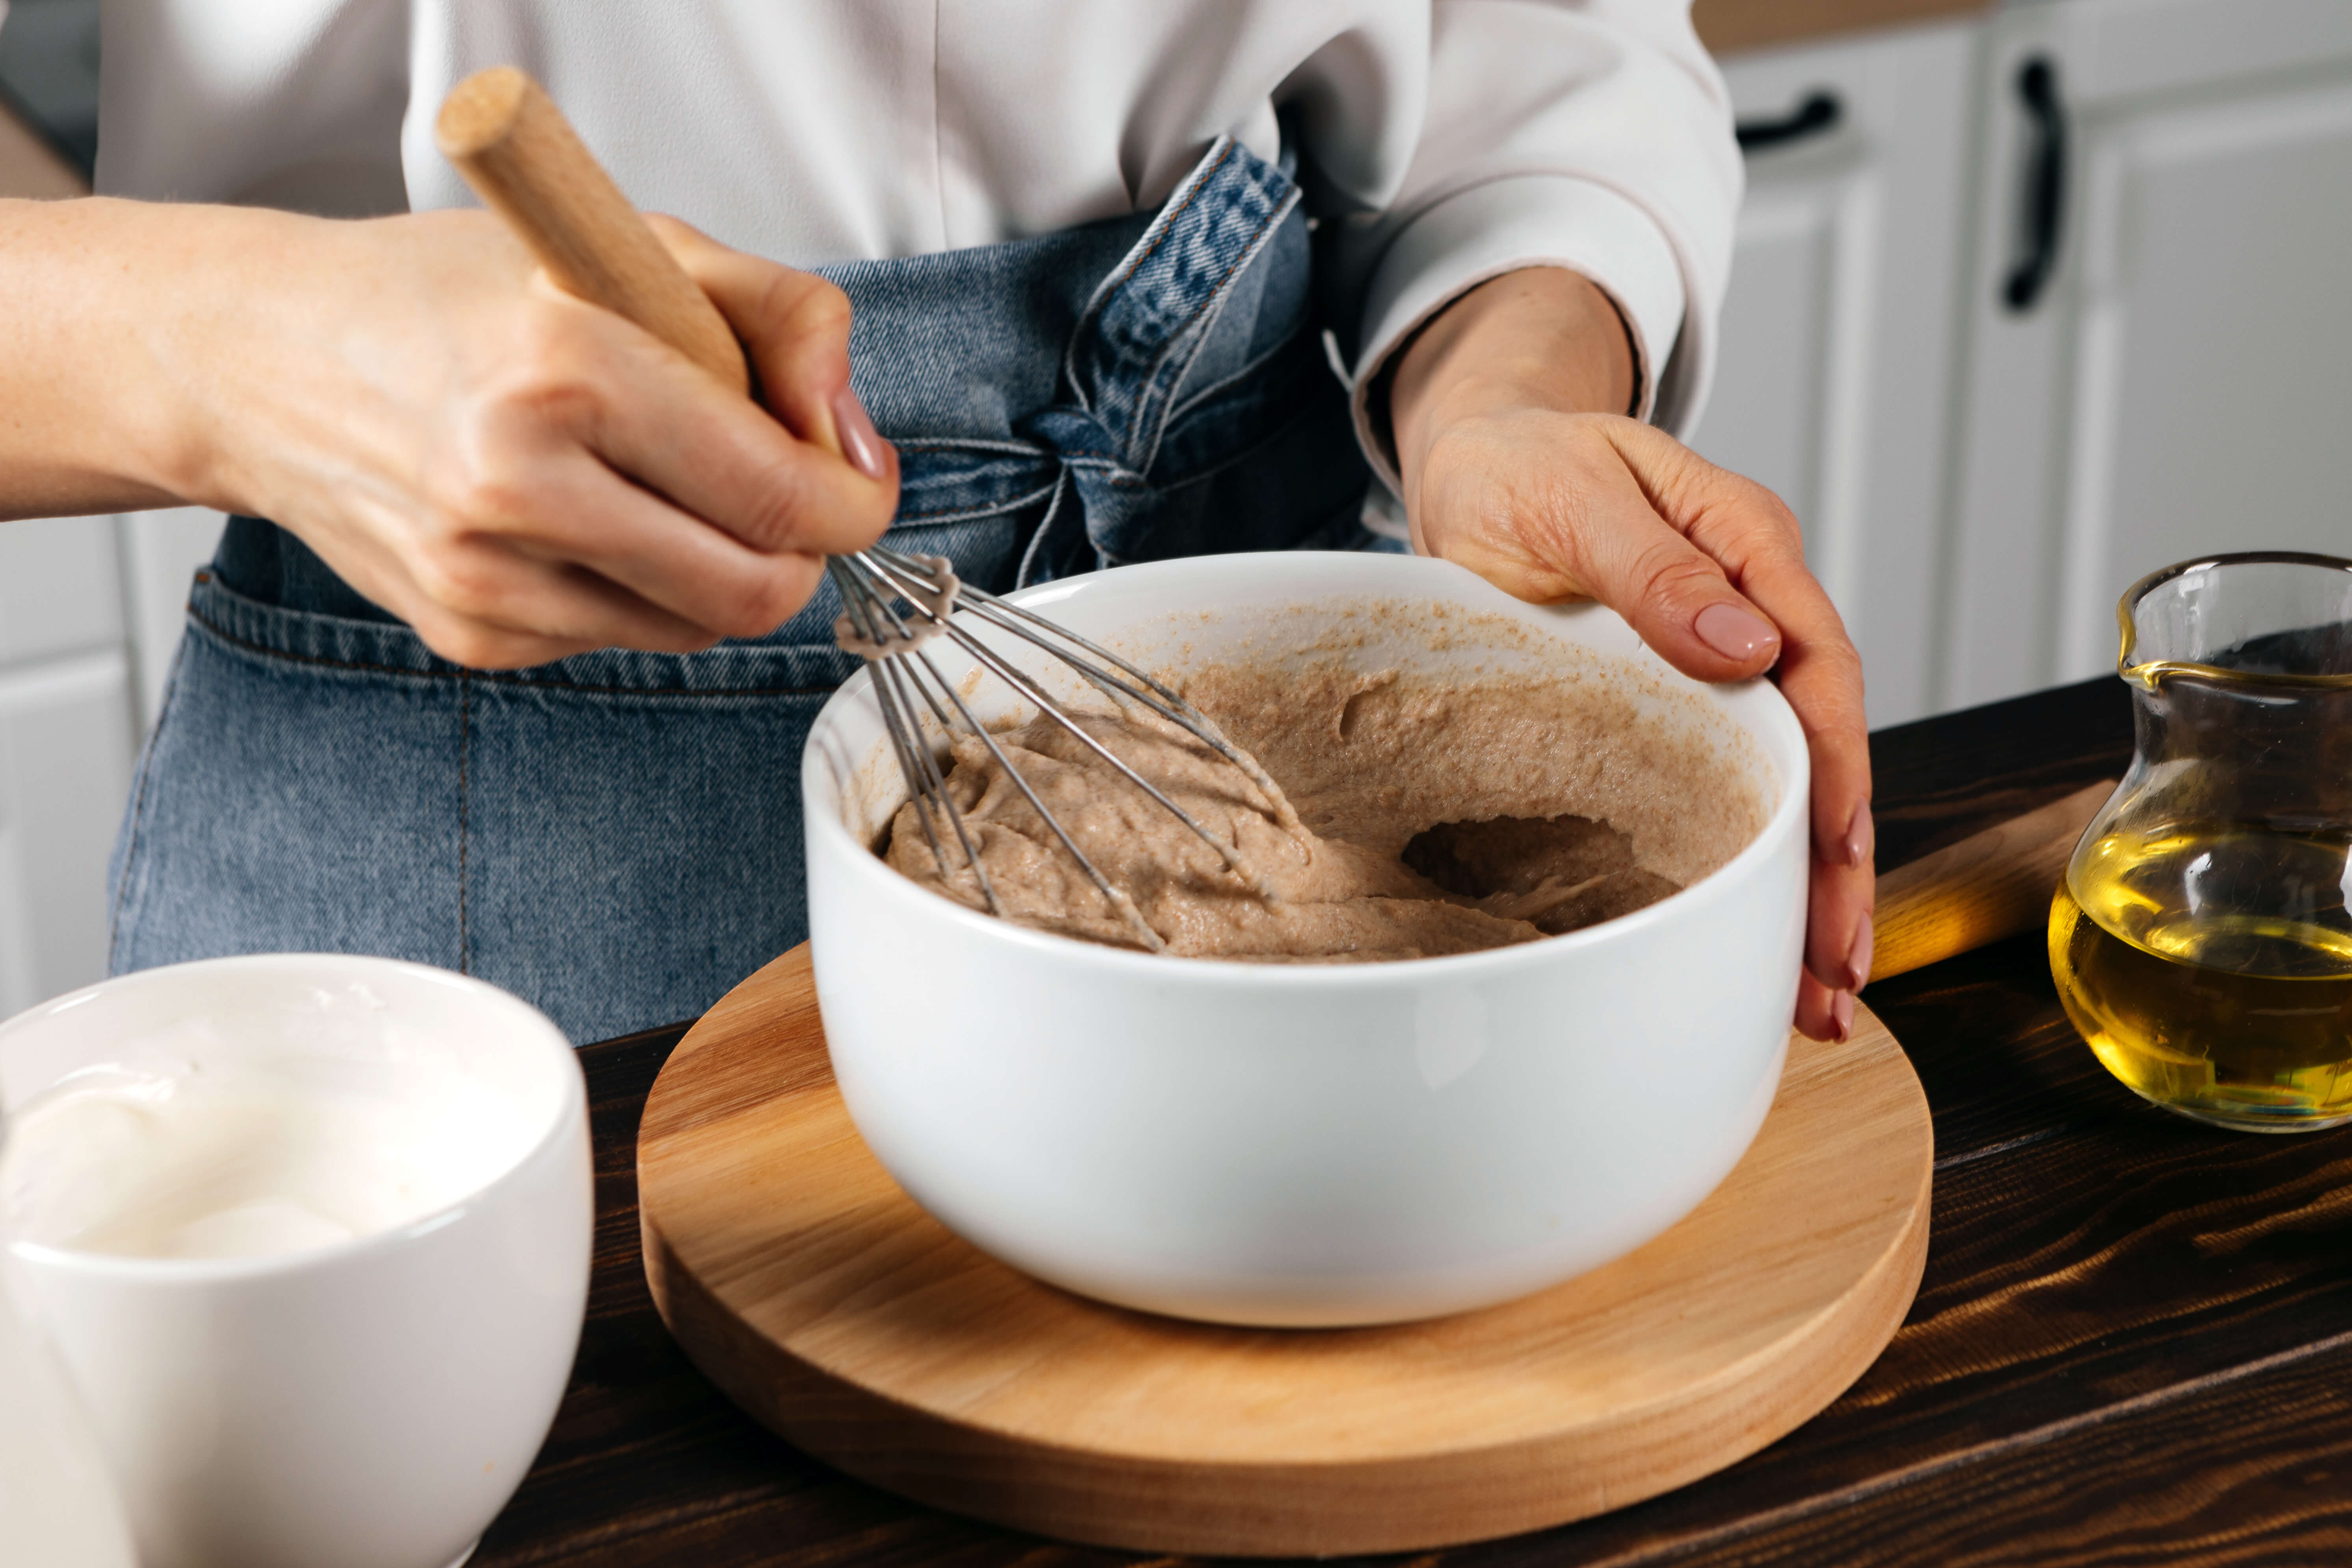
column 616, row 837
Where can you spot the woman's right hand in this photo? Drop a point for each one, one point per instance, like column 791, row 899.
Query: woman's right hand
column 517, row 475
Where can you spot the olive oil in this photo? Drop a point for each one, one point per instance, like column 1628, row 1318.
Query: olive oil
column 2210, row 969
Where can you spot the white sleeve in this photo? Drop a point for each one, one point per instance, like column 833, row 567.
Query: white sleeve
column 1595, row 136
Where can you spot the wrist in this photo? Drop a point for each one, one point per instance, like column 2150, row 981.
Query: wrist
column 1542, row 338
column 235, row 296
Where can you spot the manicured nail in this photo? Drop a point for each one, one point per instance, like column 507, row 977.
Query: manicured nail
column 1861, row 834
column 1733, row 631
column 1857, row 957
column 1842, row 1014
column 860, row 442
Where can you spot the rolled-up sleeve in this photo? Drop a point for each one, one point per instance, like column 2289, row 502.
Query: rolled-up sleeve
column 1593, row 136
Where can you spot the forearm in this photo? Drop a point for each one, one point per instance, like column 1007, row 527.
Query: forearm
column 1541, row 337
column 86, row 288
column 114, row 316
column 517, row 475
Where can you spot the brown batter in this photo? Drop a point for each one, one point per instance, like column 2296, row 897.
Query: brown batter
column 1436, row 816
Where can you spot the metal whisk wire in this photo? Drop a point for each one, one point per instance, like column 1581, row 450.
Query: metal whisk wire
column 874, row 581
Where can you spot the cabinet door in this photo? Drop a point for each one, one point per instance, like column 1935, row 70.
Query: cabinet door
column 65, row 768
column 1835, row 384
column 2182, row 383
column 160, row 552
column 67, row 731
column 79, row 680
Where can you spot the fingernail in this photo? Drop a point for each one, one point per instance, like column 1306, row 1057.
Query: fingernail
column 1860, row 834
column 860, row 442
column 1857, row 957
column 1733, row 631
column 1842, row 1014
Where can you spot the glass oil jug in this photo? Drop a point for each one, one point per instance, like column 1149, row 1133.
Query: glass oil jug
column 2200, row 940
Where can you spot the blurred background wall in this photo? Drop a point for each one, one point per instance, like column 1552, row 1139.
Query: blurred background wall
column 2031, row 300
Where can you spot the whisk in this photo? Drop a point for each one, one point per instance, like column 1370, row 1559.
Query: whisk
column 514, row 147
column 874, row 579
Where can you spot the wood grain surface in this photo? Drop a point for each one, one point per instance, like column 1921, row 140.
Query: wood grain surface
column 811, row 1289
column 2133, row 1343
column 1988, row 886
column 1724, row 25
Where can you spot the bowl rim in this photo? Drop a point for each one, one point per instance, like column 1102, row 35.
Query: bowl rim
column 571, row 1112
column 1789, row 817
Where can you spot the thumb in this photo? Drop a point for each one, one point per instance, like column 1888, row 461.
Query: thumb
column 1614, row 532
column 1734, row 525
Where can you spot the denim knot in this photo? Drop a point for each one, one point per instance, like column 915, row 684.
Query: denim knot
column 1098, row 502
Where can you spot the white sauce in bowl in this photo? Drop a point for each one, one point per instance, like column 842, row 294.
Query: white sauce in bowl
column 220, row 1155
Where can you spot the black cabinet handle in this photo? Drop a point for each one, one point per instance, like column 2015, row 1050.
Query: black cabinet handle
column 2045, row 187
column 1821, row 112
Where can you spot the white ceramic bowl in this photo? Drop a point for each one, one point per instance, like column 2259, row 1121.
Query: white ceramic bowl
column 370, row 1404
column 1320, row 1143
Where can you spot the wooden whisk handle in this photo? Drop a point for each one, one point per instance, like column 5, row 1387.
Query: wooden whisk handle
column 1991, row 885
column 523, row 159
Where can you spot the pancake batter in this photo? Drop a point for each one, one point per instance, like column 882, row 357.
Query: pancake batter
column 1434, row 816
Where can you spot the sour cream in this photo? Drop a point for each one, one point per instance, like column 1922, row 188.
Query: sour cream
column 233, row 1157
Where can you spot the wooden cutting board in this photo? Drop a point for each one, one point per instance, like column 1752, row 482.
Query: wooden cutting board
column 815, row 1293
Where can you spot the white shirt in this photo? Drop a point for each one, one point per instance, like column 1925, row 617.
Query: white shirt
column 1449, row 139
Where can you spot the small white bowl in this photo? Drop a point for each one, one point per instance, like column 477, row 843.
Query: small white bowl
column 369, row 1403
column 1308, row 1144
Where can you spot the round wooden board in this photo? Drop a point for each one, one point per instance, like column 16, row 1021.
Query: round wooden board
column 817, row 1294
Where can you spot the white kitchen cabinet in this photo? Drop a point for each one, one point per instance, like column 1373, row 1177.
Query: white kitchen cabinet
column 90, row 610
column 1836, row 379
column 66, row 736
column 68, row 728
column 57, row 589
column 160, row 552
column 2182, row 383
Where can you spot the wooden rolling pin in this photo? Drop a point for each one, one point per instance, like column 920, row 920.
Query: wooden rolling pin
column 1988, row 886
column 506, row 136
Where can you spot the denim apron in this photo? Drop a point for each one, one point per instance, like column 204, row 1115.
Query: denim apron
column 616, row 837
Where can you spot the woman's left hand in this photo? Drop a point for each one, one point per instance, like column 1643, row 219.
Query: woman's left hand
column 1512, row 467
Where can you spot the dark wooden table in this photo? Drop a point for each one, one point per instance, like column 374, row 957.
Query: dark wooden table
column 2134, row 1342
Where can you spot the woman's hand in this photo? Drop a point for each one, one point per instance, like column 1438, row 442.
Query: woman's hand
column 517, row 475
column 1517, row 465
